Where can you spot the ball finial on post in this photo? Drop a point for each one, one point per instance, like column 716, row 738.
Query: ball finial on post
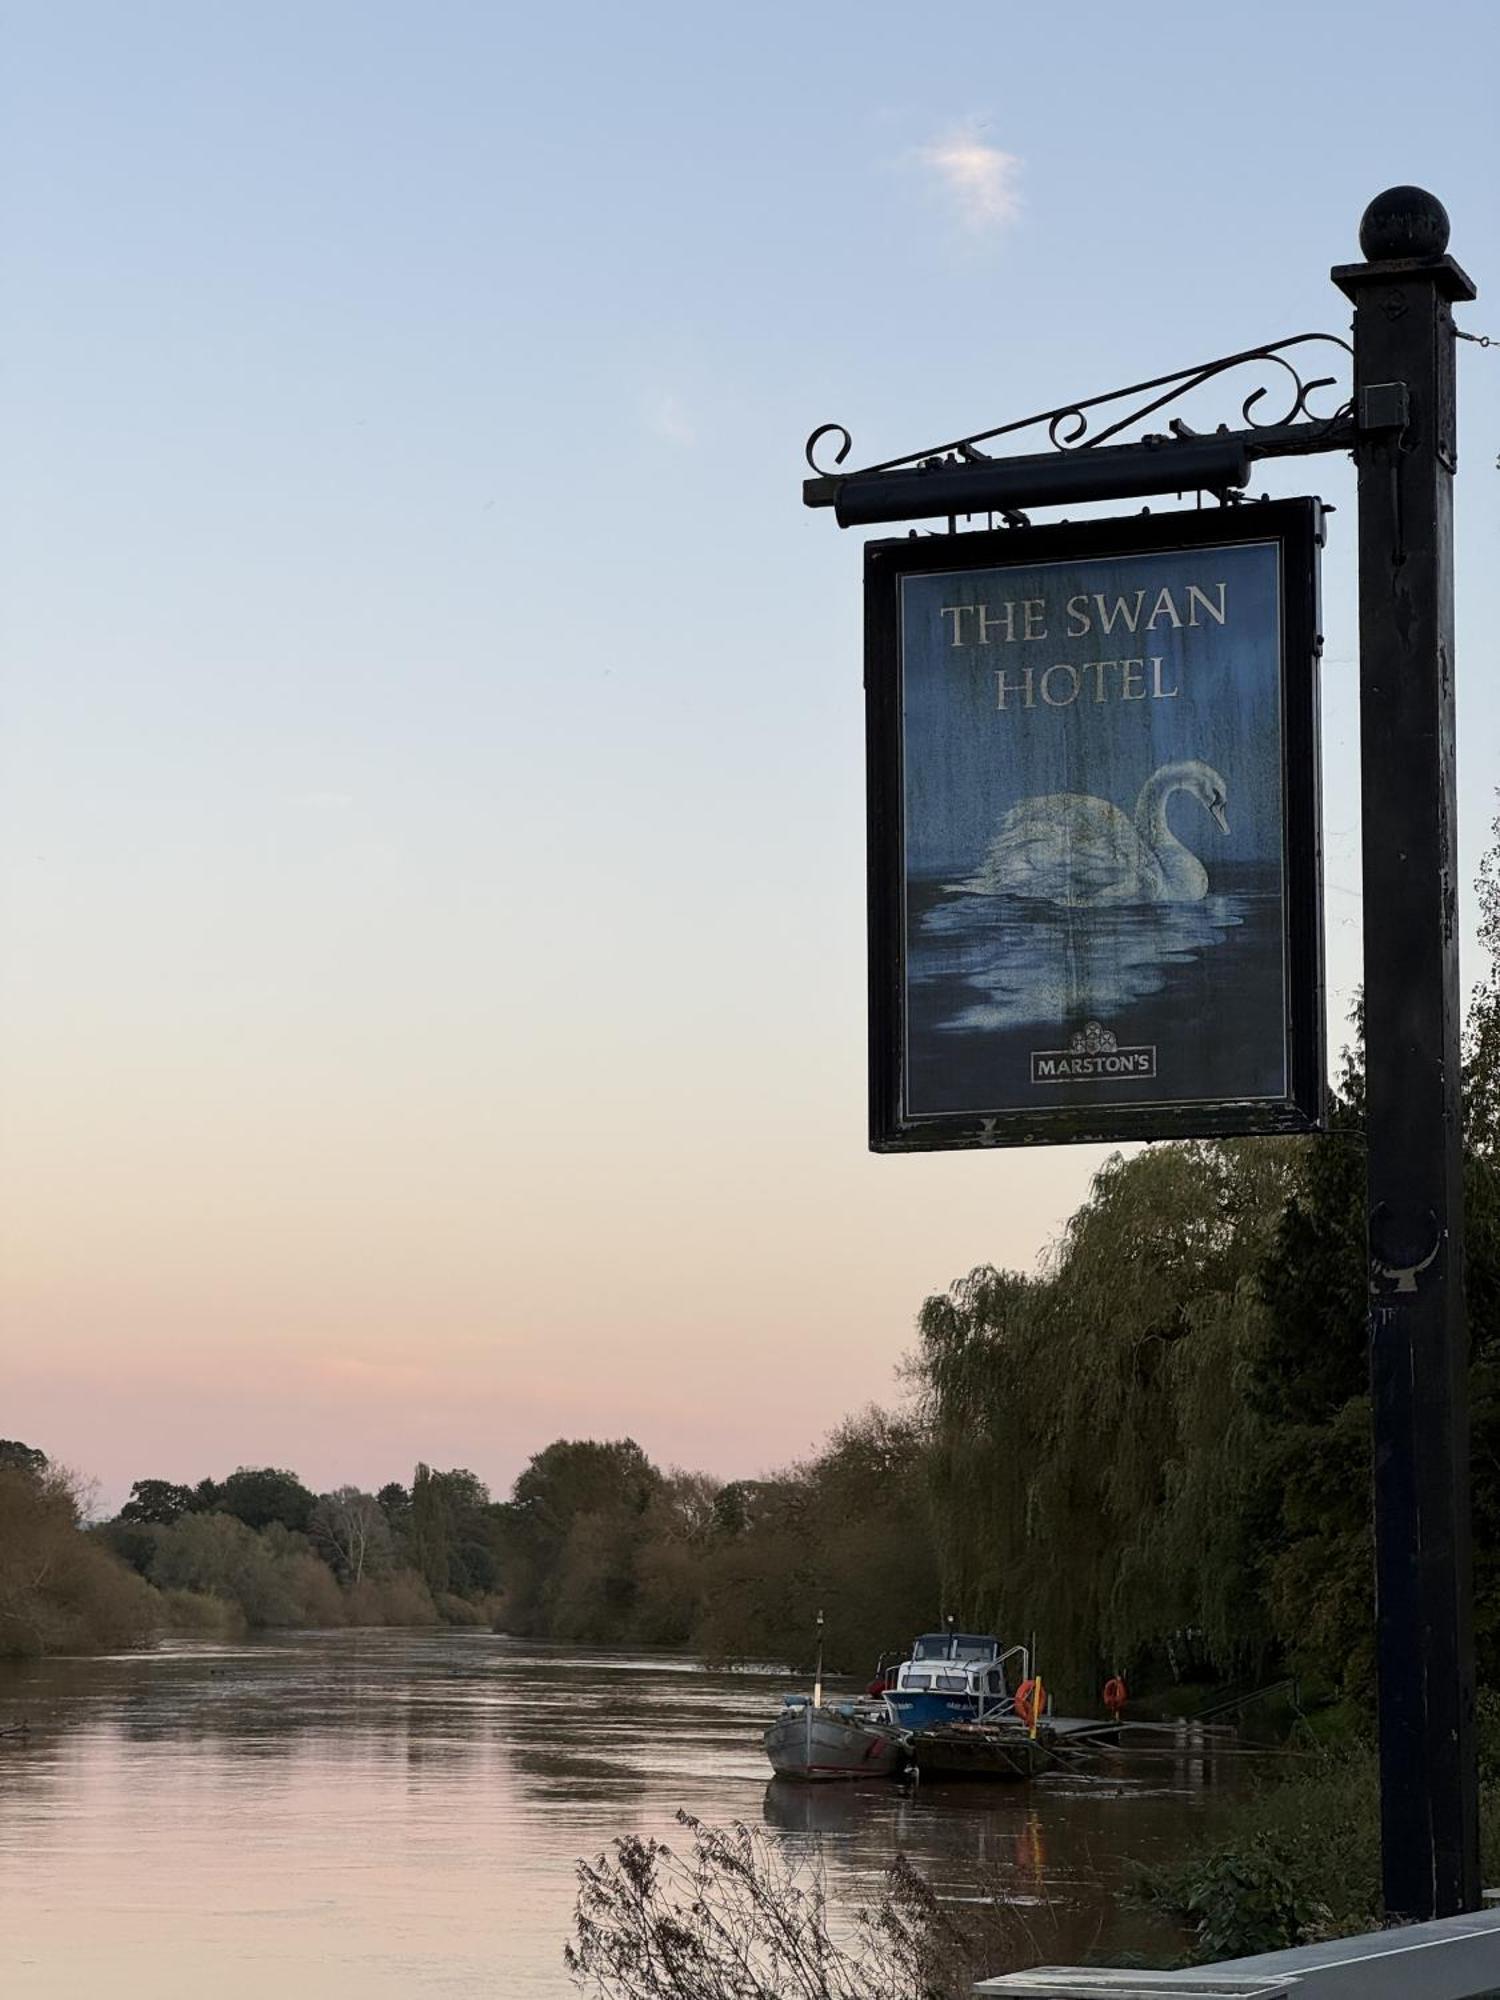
column 1403, row 222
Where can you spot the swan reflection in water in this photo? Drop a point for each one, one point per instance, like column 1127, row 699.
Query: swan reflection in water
column 1011, row 931
column 1035, row 964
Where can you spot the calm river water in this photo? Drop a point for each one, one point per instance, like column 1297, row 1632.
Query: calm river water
column 393, row 1815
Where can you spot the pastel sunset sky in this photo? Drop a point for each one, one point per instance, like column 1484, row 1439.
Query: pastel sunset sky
column 431, row 759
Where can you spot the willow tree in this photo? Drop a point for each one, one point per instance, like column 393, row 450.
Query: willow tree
column 1092, row 1443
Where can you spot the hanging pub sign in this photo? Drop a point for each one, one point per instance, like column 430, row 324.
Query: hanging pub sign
column 1094, row 879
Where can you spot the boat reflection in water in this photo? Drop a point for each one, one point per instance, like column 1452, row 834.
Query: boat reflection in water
column 980, row 1840
column 826, row 1809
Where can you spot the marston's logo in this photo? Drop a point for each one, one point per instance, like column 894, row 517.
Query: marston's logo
column 1093, row 1055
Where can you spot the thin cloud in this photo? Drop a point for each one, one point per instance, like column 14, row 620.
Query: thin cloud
column 980, row 180
column 666, row 415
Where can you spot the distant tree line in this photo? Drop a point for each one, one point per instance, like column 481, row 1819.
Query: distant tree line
column 596, row 1546
column 265, row 1550
column 605, row 1549
column 257, row 1549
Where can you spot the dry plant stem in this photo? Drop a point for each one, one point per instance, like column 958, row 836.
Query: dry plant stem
column 735, row 1919
column 730, row 1923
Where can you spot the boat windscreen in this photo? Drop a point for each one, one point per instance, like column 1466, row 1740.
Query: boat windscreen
column 956, row 1646
column 974, row 1646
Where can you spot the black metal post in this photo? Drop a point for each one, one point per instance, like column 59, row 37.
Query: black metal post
column 1419, row 1343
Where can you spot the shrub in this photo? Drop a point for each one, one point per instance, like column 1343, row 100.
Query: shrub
column 196, row 1614
column 459, row 1611
column 1299, row 1862
column 313, row 1598
column 273, row 1577
column 401, row 1598
column 98, row 1601
column 60, row 1590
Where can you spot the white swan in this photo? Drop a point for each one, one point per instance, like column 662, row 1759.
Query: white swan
column 1065, row 847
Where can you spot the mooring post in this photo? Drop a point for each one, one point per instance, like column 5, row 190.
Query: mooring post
column 1406, row 450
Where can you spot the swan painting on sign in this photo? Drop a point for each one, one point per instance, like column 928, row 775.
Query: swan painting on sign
column 1093, row 848
column 1085, row 852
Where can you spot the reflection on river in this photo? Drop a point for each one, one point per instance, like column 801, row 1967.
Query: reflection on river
column 397, row 1814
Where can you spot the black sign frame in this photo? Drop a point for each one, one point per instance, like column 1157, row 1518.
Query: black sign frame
column 1296, row 526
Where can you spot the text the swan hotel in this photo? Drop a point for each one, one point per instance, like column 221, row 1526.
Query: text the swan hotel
column 1028, row 620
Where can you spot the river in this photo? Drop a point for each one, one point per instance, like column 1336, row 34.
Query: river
column 394, row 1815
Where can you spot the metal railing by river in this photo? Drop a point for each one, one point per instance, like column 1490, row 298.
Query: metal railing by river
column 1456, row 1958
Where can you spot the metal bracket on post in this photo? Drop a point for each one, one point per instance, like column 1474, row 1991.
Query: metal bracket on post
column 1383, row 406
column 1087, row 463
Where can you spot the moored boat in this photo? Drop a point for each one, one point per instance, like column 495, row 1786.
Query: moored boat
column 956, row 1677
column 849, row 1740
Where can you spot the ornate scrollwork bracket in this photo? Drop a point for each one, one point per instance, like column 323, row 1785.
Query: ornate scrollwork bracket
column 1071, row 426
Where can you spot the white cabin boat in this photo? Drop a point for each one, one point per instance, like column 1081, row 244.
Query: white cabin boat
column 956, row 1677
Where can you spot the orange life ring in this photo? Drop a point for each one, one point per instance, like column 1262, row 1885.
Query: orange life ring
column 1024, row 1700
column 1116, row 1694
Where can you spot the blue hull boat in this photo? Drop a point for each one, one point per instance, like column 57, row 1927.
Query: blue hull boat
column 956, row 1677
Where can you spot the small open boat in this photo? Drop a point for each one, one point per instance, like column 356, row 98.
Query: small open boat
column 809, row 1741
column 846, row 1739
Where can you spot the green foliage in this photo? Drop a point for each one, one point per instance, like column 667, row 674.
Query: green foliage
column 198, row 1614
column 1300, row 1860
column 1092, row 1449
column 22, row 1457
column 263, row 1494
column 571, row 1535
column 849, row 1533
column 157, row 1503
column 1309, row 1372
column 218, row 1555
column 401, row 1598
column 133, row 1542
column 600, row 1547
column 462, row 1611
column 451, row 1532
column 1289, row 1865
column 259, row 1550
column 1243, row 1900
column 677, row 1532
column 272, row 1578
